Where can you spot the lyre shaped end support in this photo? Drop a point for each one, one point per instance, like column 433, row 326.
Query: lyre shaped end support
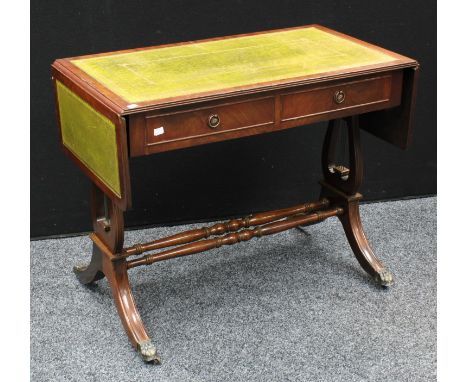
column 341, row 185
column 338, row 175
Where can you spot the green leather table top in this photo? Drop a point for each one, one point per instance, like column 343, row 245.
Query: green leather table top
column 193, row 68
column 90, row 136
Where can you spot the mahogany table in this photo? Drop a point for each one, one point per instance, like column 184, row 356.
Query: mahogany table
column 119, row 105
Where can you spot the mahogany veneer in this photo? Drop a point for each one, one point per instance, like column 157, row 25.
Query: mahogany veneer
column 118, row 105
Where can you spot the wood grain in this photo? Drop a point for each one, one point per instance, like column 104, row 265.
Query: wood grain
column 222, row 228
column 236, row 237
column 251, row 115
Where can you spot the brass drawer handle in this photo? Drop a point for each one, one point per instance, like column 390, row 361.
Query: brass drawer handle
column 214, row 121
column 339, row 96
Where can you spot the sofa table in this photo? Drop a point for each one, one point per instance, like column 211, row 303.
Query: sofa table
column 119, row 105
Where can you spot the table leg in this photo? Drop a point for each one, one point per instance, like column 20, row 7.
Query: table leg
column 340, row 186
column 107, row 243
column 352, row 225
column 339, row 198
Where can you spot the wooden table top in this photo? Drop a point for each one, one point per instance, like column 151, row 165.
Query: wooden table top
column 141, row 77
column 254, row 83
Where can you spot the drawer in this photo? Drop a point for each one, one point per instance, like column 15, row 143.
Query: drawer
column 158, row 131
column 185, row 128
column 343, row 98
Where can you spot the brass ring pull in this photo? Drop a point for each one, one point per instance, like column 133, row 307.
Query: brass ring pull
column 339, row 96
column 214, row 121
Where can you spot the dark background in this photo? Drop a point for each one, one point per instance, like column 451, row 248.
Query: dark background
column 234, row 177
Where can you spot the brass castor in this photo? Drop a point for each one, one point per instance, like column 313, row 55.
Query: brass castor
column 148, row 352
column 384, row 278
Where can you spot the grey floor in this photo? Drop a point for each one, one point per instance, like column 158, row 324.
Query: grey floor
column 288, row 307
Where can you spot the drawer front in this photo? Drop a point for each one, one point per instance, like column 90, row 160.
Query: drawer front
column 154, row 132
column 211, row 121
column 359, row 96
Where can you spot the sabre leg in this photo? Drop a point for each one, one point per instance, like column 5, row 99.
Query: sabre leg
column 340, row 186
column 107, row 239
